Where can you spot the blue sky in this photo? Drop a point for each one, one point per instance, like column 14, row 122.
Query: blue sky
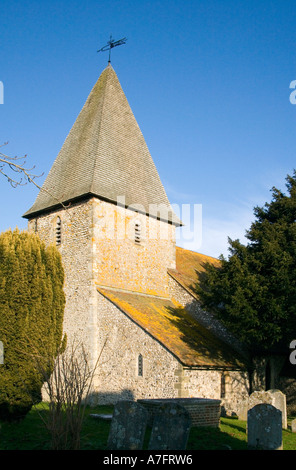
column 208, row 82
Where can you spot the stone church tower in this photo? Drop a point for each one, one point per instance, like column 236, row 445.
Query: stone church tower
column 127, row 285
column 95, row 205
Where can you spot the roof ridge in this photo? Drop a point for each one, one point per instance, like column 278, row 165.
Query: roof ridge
column 101, row 287
column 197, row 253
column 105, row 155
column 100, row 125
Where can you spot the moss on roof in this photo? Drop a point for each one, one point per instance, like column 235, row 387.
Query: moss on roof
column 188, row 264
column 169, row 323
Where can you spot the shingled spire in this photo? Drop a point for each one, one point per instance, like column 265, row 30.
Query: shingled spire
column 104, row 155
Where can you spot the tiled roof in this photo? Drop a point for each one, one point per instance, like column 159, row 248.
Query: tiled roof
column 170, row 324
column 104, row 155
column 188, row 264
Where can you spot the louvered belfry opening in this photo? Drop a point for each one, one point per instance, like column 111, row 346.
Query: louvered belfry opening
column 58, row 231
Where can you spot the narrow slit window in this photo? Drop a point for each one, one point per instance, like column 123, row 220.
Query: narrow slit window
column 137, row 233
column 140, row 365
column 58, row 231
column 223, row 385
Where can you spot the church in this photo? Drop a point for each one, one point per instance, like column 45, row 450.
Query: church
column 128, row 287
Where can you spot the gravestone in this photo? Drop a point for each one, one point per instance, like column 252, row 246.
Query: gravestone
column 128, row 426
column 278, row 400
column 171, row 427
column 272, row 397
column 265, row 427
column 242, row 412
column 293, row 425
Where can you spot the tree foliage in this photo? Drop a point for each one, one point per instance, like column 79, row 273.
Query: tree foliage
column 253, row 292
column 31, row 316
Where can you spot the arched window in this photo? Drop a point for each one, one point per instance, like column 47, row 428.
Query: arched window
column 140, row 365
column 58, row 231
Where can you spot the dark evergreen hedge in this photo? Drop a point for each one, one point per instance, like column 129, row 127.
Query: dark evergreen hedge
column 253, row 292
column 32, row 304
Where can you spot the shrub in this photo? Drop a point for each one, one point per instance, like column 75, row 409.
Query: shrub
column 31, row 316
column 67, row 389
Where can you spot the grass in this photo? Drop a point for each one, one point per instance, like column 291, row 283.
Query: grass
column 30, row 434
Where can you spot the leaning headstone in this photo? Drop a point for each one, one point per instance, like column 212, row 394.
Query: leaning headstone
column 265, row 427
column 272, row 397
column 171, row 427
column 255, row 398
column 128, row 426
column 293, row 425
column 278, row 400
column 259, row 396
column 242, row 412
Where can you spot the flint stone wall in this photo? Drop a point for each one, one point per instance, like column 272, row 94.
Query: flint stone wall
column 75, row 249
column 91, row 257
column 117, row 376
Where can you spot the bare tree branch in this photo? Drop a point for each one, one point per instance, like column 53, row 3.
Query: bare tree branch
column 17, row 165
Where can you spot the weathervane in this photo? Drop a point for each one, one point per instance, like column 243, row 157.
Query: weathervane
column 110, row 44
